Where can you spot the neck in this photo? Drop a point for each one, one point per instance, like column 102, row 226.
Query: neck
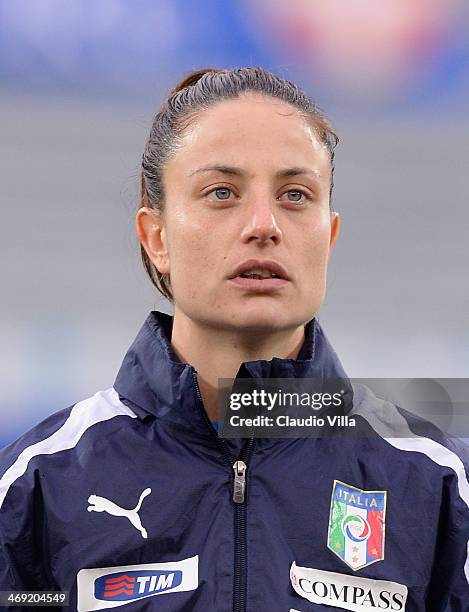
column 218, row 353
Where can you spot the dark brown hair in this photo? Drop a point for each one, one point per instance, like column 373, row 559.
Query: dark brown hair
column 196, row 92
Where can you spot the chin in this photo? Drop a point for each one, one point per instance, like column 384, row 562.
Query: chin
column 262, row 319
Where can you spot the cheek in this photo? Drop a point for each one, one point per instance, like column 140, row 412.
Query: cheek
column 190, row 247
column 315, row 245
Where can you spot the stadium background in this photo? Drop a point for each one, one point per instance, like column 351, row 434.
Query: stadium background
column 79, row 83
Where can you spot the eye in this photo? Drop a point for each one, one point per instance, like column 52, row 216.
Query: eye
column 221, row 193
column 296, row 196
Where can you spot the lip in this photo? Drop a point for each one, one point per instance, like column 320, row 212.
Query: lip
column 267, row 264
column 255, row 284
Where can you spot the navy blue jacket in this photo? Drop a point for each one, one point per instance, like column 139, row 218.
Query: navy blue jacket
column 126, row 499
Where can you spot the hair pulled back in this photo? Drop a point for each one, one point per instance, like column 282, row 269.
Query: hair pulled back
column 195, row 93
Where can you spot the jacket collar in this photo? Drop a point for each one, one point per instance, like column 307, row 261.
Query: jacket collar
column 154, row 382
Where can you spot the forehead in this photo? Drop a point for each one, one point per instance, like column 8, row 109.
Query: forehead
column 252, row 129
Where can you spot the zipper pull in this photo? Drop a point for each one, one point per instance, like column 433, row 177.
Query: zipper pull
column 239, row 468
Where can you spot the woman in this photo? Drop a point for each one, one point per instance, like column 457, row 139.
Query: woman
column 131, row 498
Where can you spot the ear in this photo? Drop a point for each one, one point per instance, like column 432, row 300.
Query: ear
column 335, row 227
column 151, row 232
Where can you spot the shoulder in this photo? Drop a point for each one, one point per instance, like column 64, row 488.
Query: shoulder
column 59, row 432
column 402, row 428
column 416, row 439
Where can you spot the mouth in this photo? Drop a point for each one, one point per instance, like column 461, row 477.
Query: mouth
column 260, row 269
column 260, row 275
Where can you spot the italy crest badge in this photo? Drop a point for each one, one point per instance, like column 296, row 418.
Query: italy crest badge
column 357, row 525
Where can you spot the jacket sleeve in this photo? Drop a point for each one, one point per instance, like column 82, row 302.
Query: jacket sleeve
column 21, row 551
column 24, row 551
column 449, row 585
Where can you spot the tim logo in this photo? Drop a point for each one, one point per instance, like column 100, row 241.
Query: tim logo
column 102, row 588
column 129, row 586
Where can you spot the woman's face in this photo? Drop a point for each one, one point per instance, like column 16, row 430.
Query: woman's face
column 250, row 182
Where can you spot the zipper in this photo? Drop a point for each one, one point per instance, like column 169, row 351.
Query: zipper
column 239, row 482
column 240, row 575
column 239, row 466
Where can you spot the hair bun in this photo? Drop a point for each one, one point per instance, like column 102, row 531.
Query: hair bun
column 192, row 78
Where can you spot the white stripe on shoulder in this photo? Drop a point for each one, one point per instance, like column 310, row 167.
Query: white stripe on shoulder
column 388, row 423
column 102, row 406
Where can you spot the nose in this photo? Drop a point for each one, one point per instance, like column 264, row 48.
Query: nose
column 261, row 224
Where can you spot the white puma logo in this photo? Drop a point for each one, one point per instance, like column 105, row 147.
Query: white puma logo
column 101, row 504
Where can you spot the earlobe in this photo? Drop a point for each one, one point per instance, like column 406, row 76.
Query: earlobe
column 335, row 228
column 151, row 233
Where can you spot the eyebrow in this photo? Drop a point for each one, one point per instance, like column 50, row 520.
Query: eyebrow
column 234, row 171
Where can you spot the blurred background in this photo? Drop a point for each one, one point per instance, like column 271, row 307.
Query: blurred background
column 79, row 84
